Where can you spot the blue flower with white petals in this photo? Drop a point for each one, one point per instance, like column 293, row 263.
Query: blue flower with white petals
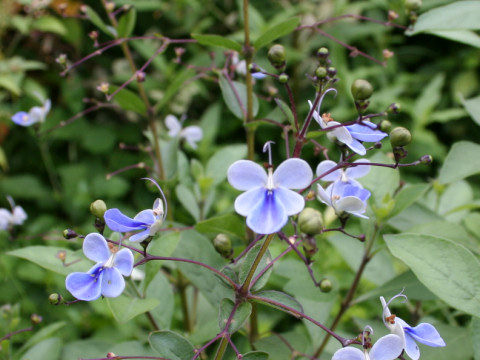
column 388, row 347
column 351, row 135
column 344, row 197
column 106, row 277
column 424, row 333
column 268, row 201
column 149, row 221
column 36, row 114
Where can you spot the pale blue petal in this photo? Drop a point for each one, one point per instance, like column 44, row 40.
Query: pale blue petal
column 268, row 216
column 47, row 106
column 173, row 125
column 140, row 236
column 21, row 118
column 246, row 175
column 85, row 286
column 146, row 217
column 350, row 204
column 358, row 171
column 324, row 196
column 357, row 147
column 192, row 134
column 387, row 348
column 37, row 114
column 259, row 75
column 348, row 353
column 293, row 173
column 351, row 190
column 116, row 221
column 95, row 248
column 244, row 203
column 366, row 132
column 316, row 116
column 112, row 282
column 325, row 166
column 123, row 261
column 411, row 347
column 426, row 334
column 292, row 202
column 340, row 133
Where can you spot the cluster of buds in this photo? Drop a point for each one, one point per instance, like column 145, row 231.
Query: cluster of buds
column 412, row 7
column 325, row 73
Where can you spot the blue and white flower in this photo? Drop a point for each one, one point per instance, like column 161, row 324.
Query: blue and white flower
column 191, row 134
column 347, row 175
column 268, row 200
column 344, row 197
column 16, row 217
column 351, row 135
column 36, row 114
column 106, row 277
column 424, row 333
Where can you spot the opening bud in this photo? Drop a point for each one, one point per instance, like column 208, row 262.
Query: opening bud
column 223, row 245
column 310, row 221
column 413, row 5
column 326, row 285
column 276, row 55
column 361, row 89
column 55, row 299
column 98, row 208
column 400, row 136
column 36, row 319
column 426, row 159
column 331, row 71
column 61, row 59
column 69, row 234
column 322, row 53
column 140, row 76
column 394, row 108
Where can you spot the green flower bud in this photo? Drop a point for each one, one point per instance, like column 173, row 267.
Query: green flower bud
column 321, row 72
column 394, row 108
column 276, row 55
column 310, row 221
column 385, row 126
column 361, row 89
column 426, row 159
column 331, row 71
column 36, row 319
column 69, row 234
column 283, row 78
column 223, row 245
column 55, row 299
column 322, row 53
column 413, row 5
column 400, row 136
column 326, row 285
column 98, row 208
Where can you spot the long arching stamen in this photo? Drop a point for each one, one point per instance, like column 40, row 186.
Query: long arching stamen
column 369, row 328
column 321, row 99
column 386, row 310
column 163, row 196
column 268, row 147
column 11, row 202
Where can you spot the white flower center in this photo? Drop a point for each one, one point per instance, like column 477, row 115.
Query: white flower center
column 270, row 184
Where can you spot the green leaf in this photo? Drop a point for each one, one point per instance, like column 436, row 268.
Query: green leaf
column 476, row 337
column 473, row 108
column 171, row 345
column 462, row 36
column 47, row 349
column 229, row 224
column 241, row 315
column 125, row 308
column 127, row 23
column 256, row 355
column 43, row 334
column 174, row 86
column 280, row 298
column 50, row 24
column 462, row 161
column 447, row 269
column 187, row 199
column 286, row 111
column 457, row 15
column 163, row 245
column 276, row 32
column 217, row 41
column 128, row 100
column 161, row 289
column 47, row 257
column 246, row 265
column 235, row 97
column 219, row 163
column 10, row 83
column 97, row 20
column 406, row 197
column 428, row 100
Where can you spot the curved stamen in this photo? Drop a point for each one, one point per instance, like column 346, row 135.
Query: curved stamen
column 386, row 310
column 370, row 331
column 321, row 99
column 11, row 202
column 163, row 196
column 268, row 147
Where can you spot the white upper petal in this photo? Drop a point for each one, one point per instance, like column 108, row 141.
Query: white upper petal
column 341, row 133
column 358, row 171
column 173, row 125
column 192, row 134
column 325, row 166
column 95, row 248
column 246, row 175
column 324, row 196
column 348, row 353
column 291, row 201
column 293, row 173
column 244, row 203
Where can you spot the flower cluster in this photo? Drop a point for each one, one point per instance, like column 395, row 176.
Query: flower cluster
column 10, row 218
column 191, row 134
